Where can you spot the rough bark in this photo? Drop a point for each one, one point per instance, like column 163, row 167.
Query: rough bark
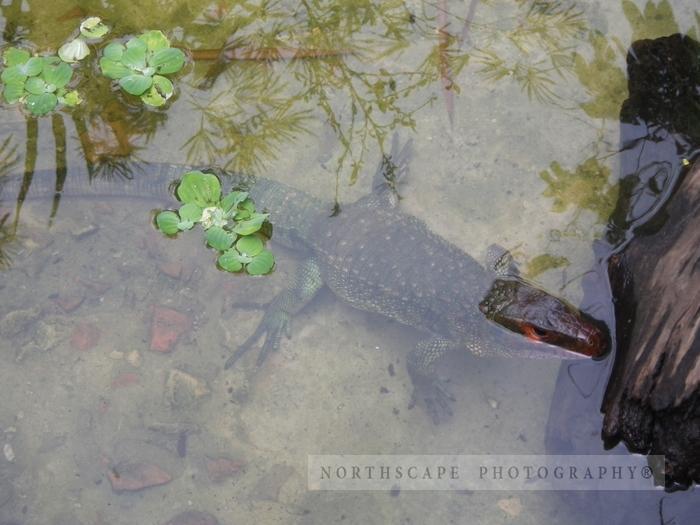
column 652, row 401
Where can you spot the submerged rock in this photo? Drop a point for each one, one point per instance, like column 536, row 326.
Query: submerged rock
column 68, row 302
column 132, row 477
column 171, row 268
column 84, row 336
column 167, row 327
column 134, row 358
column 183, row 389
column 220, row 469
column 126, row 379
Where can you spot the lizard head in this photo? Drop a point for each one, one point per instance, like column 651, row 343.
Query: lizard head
column 527, row 310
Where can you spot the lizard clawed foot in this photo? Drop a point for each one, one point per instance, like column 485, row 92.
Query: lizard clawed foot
column 436, row 397
column 273, row 325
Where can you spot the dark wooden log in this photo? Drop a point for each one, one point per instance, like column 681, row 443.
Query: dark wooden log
column 653, row 397
column 652, row 401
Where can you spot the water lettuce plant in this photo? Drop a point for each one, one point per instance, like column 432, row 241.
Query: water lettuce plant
column 40, row 83
column 232, row 225
column 141, row 64
column 91, row 28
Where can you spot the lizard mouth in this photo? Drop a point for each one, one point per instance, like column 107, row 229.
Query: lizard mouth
column 563, row 330
column 589, row 340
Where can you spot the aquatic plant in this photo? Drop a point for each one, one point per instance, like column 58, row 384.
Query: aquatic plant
column 337, row 63
column 233, row 226
column 587, row 187
column 141, row 64
column 543, row 262
column 91, row 28
column 39, row 83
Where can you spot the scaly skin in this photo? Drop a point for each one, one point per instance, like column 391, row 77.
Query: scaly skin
column 379, row 259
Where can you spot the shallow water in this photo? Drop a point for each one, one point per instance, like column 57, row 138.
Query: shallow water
column 504, row 102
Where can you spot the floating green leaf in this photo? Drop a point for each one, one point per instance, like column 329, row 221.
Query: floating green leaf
column 35, row 86
column 229, row 261
column 261, row 263
column 161, row 90
column 113, row 69
column 72, row 98
column 135, row 84
column 114, row 51
column 251, row 225
column 164, row 86
column 93, row 28
column 13, row 75
column 57, row 75
column 13, row 92
column 167, row 222
column 135, row 54
column 185, row 225
column 219, row 239
column 245, row 210
column 233, row 199
column 50, row 60
column 32, row 67
column 202, row 189
column 191, row 212
column 166, row 61
column 154, row 40
column 243, row 258
column 14, row 56
column 74, row 50
column 153, row 98
column 39, row 105
column 136, row 44
column 250, row 245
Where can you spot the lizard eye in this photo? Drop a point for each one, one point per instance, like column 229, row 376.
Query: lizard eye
column 534, row 332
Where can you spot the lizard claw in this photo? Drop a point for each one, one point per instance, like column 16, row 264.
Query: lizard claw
column 436, row 397
column 274, row 324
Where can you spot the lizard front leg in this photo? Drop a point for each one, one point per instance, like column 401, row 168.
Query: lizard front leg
column 428, row 386
column 276, row 320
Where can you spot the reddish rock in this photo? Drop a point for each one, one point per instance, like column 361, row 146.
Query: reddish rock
column 167, row 327
column 125, row 379
column 69, row 302
column 171, row 268
column 193, row 517
column 84, row 336
column 219, row 469
column 131, row 477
